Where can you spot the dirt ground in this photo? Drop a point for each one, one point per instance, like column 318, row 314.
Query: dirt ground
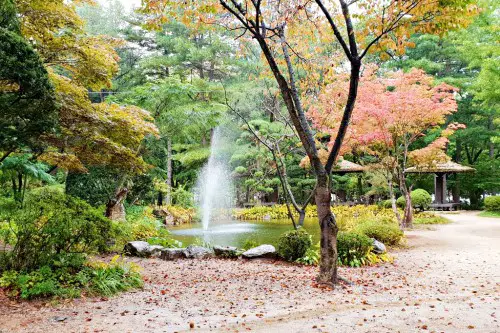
column 447, row 280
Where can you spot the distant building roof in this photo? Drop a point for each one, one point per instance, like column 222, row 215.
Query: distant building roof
column 344, row 166
column 448, row 167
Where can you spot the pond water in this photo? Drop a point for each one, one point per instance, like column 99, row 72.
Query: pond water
column 235, row 232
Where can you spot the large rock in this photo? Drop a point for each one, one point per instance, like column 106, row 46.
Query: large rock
column 378, row 247
column 226, row 251
column 141, row 249
column 165, row 215
column 197, row 252
column 262, row 251
column 172, row 254
column 155, row 250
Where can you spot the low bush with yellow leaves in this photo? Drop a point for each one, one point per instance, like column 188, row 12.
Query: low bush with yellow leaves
column 180, row 214
column 143, row 225
column 429, row 218
column 276, row 212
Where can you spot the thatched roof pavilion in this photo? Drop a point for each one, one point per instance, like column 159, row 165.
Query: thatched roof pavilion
column 440, row 170
column 448, row 167
column 344, row 166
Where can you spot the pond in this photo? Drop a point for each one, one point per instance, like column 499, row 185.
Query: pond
column 236, row 232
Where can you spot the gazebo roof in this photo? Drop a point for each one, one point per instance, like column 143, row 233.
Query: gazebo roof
column 448, row 167
column 344, row 166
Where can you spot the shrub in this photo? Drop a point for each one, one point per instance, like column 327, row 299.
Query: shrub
column 373, row 258
column 401, row 202
column 180, row 214
column 388, row 234
column 250, row 243
column 69, row 281
column 293, row 244
column 385, row 203
column 311, row 257
column 7, row 206
column 420, row 200
column 53, row 224
column 182, row 197
column 349, row 218
column 353, row 248
column 275, row 212
column 109, row 279
column 492, row 204
column 142, row 225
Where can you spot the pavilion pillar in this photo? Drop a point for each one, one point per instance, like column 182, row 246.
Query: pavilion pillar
column 341, row 195
column 440, row 188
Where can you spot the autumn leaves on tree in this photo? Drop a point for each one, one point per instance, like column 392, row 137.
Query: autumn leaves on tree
column 87, row 134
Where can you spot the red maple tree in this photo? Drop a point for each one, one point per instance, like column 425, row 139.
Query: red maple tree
column 392, row 111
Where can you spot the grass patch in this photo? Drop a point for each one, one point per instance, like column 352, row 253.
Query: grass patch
column 488, row 213
column 429, row 218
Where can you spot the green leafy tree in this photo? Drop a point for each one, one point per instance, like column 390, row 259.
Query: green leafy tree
column 26, row 96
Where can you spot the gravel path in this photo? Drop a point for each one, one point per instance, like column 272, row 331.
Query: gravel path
column 447, row 280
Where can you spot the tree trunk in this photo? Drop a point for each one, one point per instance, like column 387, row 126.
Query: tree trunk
column 475, row 197
column 160, row 198
column 114, row 209
column 360, row 188
column 211, row 72
column 302, row 216
column 393, row 202
column 491, row 145
column 408, row 213
column 329, row 230
column 407, row 221
column 168, row 195
column 25, row 184
column 458, row 158
column 5, row 155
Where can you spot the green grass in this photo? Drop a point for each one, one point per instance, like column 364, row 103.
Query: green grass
column 487, row 213
column 429, row 218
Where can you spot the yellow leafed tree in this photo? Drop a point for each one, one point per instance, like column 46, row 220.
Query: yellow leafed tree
column 89, row 133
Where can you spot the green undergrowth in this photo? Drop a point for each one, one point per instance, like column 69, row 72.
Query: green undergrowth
column 72, row 278
column 489, row 214
column 45, row 244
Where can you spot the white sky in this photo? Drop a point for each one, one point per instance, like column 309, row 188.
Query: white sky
column 129, row 4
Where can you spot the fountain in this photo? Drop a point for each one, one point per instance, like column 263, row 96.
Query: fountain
column 214, row 187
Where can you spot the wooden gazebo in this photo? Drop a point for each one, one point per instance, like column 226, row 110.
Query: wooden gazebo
column 440, row 170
